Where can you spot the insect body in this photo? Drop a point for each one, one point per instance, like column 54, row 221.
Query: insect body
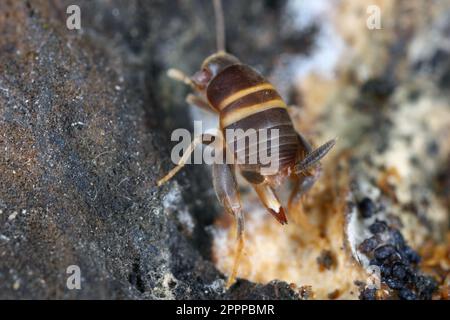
column 244, row 100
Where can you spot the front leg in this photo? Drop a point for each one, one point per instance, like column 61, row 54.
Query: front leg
column 192, row 99
column 225, row 186
column 202, row 138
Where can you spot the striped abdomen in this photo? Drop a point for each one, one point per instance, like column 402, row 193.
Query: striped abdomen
column 245, row 100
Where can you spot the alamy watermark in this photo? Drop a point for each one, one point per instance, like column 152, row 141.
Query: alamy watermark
column 373, row 21
column 374, row 17
column 73, row 21
column 74, row 280
column 233, row 146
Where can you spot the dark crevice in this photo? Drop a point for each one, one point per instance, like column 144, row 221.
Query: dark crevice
column 135, row 277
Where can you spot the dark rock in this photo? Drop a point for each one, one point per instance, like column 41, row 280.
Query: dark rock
column 406, row 294
column 368, row 294
column 394, row 283
column 398, row 271
column 397, row 238
column 378, row 227
column 425, row 286
column 326, row 260
column 84, row 151
column 374, row 93
column 385, row 270
column 411, row 255
column 378, row 87
column 278, row 290
column 375, row 262
column 84, row 130
column 366, row 207
column 384, row 252
column 368, row 245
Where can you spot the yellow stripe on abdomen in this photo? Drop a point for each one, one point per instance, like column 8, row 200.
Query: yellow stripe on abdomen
column 242, row 93
column 241, row 113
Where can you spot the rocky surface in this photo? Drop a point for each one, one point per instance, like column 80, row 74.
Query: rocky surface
column 85, row 120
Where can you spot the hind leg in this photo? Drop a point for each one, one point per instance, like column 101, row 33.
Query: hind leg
column 308, row 169
column 225, row 186
column 302, row 184
column 298, row 195
column 304, row 180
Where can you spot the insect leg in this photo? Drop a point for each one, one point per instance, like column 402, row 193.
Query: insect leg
column 179, row 75
column 303, row 183
column 269, row 199
column 225, row 186
column 294, row 196
column 200, row 102
column 197, row 140
column 191, row 99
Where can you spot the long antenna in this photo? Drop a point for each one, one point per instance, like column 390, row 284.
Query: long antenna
column 220, row 25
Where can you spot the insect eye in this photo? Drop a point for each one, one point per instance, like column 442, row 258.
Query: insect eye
column 202, row 77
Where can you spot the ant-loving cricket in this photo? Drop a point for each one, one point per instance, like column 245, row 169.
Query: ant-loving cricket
column 244, row 99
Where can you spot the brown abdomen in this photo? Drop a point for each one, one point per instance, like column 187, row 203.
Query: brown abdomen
column 247, row 101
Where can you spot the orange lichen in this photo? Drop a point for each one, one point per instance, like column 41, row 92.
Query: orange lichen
column 387, row 179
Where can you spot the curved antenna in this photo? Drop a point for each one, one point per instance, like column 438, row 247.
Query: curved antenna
column 220, row 25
